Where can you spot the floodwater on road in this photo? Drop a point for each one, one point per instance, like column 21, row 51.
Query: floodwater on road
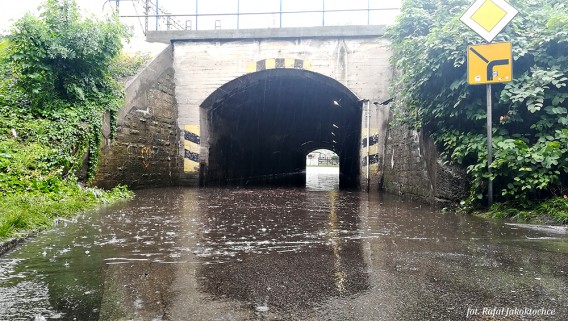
column 284, row 254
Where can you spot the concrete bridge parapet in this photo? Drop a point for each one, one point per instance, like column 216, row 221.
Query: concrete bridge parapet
column 172, row 36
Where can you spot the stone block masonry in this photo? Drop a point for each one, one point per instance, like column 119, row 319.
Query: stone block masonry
column 356, row 57
column 412, row 167
column 166, row 134
column 145, row 149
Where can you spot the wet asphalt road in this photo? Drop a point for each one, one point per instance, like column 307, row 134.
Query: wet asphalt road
column 284, row 254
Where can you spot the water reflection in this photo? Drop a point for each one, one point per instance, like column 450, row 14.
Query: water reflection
column 293, row 248
column 292, row 254
column 322, row 178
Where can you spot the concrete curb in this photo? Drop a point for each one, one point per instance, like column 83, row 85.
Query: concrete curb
column 10, row 244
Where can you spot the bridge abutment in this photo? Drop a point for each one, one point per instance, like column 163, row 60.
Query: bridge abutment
column 412, row 167
column 144, row 151
column 356, row 57
column 246, row 107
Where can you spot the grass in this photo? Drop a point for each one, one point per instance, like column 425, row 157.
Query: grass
column 552, row 211
column 34, row 191
column 33, row 211
column 42, row 151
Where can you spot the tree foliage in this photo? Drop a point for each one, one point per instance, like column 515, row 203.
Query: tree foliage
column 57, row 68
column 56, row 79
column 530, row 115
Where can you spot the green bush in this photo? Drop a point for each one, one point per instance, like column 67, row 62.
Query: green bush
column 530, row 126
column 57, row 68
column 58, row 77
column 25, row 212
column 127, row 65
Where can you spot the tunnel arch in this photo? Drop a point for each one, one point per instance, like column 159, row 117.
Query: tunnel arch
column 258, row 128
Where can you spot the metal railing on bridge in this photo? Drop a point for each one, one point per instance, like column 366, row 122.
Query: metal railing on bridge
column 153, row 17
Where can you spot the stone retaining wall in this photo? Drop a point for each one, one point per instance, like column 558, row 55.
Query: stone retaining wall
column 145, row 149
column 412, row 167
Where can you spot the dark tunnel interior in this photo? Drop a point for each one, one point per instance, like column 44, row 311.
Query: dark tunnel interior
column 260, row 127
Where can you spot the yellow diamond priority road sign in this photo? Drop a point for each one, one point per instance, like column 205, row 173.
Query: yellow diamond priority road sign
column 489, row 63
column 488, row 17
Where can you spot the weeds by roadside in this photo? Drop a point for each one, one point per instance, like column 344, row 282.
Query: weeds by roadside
column 26, row 212
column 553, row 211
column 57, row 79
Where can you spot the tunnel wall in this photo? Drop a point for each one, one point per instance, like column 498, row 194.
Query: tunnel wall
column 375, row 154
column 144, row 151
column 159, row 134
column 202, row 66
column 412, row 167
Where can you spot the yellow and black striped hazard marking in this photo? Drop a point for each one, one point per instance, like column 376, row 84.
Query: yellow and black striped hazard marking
column 191, row 144
column 277, row 63
column 373, row 149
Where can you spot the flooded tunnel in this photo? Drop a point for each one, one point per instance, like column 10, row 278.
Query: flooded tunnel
column 257, row 129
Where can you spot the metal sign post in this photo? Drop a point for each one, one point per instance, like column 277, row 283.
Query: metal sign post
column 368, row 145
column 489, row 145
column 489, row 63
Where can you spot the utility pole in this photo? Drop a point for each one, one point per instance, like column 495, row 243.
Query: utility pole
column 323, row 13
column 157, row 16
column 368, row 12
column 146, row 13
column 196, row 13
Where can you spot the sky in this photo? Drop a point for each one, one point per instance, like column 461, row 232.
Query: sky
column 17, row 8
column 99, row 8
